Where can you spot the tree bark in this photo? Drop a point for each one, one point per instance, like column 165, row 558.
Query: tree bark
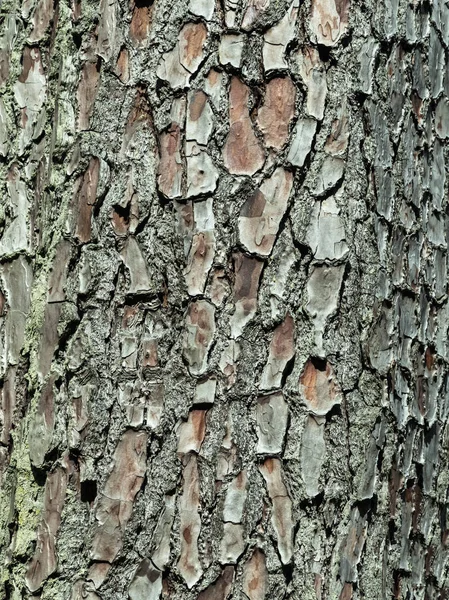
column 223, row 299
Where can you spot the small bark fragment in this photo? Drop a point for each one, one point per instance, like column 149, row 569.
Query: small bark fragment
column 277, row 38
column 87, row 92
column 326, row 234
column 199, row 335
column 277, row 111
column 281, row 516
column 262, row 213
column 170, row 166
column 323, row 289
column 191, row 432
column 301, row 142
column 255, row 576
column 85, row 198
column 282, row 350
column 106, row 29
column 44, row 561
column 272, row 415
column 189, row 564
column 242, row 152
column 219, row 589
column 329, row 20
column 146, row 583
column 135, row 263
column 313, row 451
column 246, row 286
column 313, row 74
column 318, row 388
column 179, row 64
column 231, row 49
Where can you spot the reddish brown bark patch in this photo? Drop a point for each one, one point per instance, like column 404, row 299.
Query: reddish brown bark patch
column 87, row 92
column 86, row 197
column 242, row 152
column 277, row 111
column 318, row 387
column 140, row 21
column 170, row 166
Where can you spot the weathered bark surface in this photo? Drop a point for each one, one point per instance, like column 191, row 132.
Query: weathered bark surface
column 223, row 299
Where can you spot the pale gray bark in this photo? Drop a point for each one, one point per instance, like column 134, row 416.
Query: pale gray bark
column 223, row 299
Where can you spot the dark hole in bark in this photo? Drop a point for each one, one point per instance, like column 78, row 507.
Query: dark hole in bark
column 143, row 3
column 319, row 363
column 88, row 490
column 288, row 572
column 77, row 39
column 324, row 52
column 123, row 212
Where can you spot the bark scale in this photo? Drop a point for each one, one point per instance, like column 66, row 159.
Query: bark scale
column 223, row 299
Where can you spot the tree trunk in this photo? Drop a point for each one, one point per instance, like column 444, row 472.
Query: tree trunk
column 223, row 299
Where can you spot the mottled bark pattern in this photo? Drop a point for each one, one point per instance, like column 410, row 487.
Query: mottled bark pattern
column 223, row 299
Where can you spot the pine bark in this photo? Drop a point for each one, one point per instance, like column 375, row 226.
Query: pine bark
column 223, row 299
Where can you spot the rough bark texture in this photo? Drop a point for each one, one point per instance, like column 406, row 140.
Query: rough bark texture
column 223, row 299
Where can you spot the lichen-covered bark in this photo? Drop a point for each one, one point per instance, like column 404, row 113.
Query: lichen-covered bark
column 223, row 299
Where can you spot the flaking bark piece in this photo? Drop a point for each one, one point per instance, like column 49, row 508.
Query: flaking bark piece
column 202, row 175
column 44, row 561
column 255, row 576
column 253, row 10
column 326, row 234
column 235, row 498
column 42, row 16
column 87, row 92
column 232, row 545
column 329, row 20
column 30, row 91
column 161, row 537
column 313, row 451
column 323, row 291
column 242, row 152
column 135, row 263
column 189, row 564
column 272, row 415
column 129, row 467
column 281, row 515
column 191, row 432
column 146, row 583
column 229, row 362
column 220, row 588
column 246, row 286
column 170, row 167
column 301, row 144
column 277, row 38
column 16, row 234
column 282, row 350
column 85, row 197
column 106, row 29
column 42, row 425
column 112, row 517
column 318, row 387
column 262, row 213
column 277, row 111
column 231, row 49
column 202, row 8
column 139, row 27
column 17, row 279
column 202, row 249
column 179, row 64
column 338, row 139
column 199, row 335
column 313, row 73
